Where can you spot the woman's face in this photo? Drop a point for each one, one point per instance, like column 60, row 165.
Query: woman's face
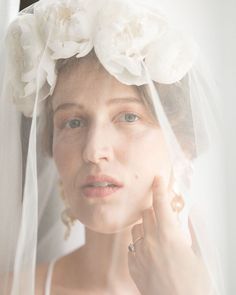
column 101, row 126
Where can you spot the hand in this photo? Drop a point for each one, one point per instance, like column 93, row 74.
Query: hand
column 163, row 262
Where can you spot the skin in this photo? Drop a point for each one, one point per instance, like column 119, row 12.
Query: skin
column 79, row 152
column 99, row 139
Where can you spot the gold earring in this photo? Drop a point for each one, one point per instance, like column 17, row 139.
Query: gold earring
column 177, row 203
column 66, row 217
column 68, row 222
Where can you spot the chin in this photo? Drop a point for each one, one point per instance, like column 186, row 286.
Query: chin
column 112, row 227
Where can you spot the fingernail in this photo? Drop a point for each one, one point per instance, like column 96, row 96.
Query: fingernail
column 155, row 182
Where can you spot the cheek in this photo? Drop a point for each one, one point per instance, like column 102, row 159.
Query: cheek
column 148, row 151
column 146, row 156
column 65, row 156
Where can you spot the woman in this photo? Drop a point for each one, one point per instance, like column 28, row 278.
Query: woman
column 80, row 78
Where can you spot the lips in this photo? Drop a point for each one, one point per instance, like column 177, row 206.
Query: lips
column 91, row 179
column 96, row 192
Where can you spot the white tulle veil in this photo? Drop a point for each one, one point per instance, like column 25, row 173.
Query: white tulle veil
column 176, row 78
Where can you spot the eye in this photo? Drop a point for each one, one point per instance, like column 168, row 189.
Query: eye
column 130, row 117
column 73, row 123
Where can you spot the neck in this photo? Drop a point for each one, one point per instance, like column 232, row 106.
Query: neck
column 101, row 264
column 105, row 257
column 108, row 252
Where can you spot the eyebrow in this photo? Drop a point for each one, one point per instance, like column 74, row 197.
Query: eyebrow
column 117, row 100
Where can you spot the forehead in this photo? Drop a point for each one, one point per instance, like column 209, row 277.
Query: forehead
column 86, row 81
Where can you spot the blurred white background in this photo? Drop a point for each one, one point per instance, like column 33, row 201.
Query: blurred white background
column 215, row 25
column 218, row 34
column 227, row 70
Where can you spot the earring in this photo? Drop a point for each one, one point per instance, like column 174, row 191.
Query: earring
column 177, row 203
column 66, row 217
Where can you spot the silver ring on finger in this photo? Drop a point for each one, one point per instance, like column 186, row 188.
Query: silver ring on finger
column 131, row 246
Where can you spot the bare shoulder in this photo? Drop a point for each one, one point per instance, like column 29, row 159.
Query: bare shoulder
column 6, row 283
column 40, row 278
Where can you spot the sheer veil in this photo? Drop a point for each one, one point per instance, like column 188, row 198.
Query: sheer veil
column 31, row 230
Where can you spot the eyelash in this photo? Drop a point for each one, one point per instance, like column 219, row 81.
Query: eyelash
column 65, row 124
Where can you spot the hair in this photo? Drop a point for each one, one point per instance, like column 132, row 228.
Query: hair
column 175, row 99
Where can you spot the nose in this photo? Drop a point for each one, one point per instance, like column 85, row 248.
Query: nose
column 97, row 146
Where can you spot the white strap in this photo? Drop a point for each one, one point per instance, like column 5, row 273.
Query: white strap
column 49, row 278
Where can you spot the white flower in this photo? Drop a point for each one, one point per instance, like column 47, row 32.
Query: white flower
column 171, row 57
column 124, row 34
column 66, row 26
column 30, row 68
column 127, row 38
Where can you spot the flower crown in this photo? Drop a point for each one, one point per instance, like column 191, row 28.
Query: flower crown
column 127, row 38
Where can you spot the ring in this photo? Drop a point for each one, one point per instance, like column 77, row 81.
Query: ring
column 131, row 245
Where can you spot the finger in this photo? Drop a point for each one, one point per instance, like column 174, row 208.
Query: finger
column 137, row 231
column 195, row 246
column 137, row 237
column 165, row 216
column 149, row 223
column 132, row 264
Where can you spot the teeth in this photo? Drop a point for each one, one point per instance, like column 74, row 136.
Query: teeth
column 102, row 184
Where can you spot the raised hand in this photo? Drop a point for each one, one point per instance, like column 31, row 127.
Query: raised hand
column 163, row 262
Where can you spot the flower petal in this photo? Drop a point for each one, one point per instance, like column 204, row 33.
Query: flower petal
column 171, row 57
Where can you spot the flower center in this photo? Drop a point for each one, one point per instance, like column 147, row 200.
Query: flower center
column 64, row 14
